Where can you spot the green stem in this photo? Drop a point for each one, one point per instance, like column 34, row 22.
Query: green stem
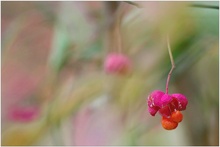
column 172, row 62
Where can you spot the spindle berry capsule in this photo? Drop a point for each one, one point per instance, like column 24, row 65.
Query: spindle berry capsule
column 168, row 106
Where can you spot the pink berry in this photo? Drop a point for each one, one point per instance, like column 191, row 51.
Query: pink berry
column 117, row 64
column 166, row 99
column 182, row 101
column 154, row 101
column 166, row 104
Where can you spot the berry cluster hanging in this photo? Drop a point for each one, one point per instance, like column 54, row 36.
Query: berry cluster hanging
column 168, row 105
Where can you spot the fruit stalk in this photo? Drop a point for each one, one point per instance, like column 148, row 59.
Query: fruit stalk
column 172, row 62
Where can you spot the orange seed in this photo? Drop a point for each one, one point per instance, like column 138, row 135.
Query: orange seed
column 177, row 116
column 168, row 124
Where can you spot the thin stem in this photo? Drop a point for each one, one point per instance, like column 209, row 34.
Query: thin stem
column 119, row 38
column 110, row 8
column 119, row 15
column 205, row 6
column 172, row 62
column 133, row 3
column 192, row 5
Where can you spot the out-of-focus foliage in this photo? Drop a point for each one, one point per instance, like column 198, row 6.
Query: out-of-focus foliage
column 52, row 59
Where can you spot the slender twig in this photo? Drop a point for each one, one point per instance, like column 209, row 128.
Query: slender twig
column 119, row 39
column 119, row 16
column 205, row 6
column 133, row 3
column 172, row 62
column 192, row 5
column 111, row 7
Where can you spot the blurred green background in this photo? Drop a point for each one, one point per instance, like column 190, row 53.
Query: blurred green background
column 54, row 88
